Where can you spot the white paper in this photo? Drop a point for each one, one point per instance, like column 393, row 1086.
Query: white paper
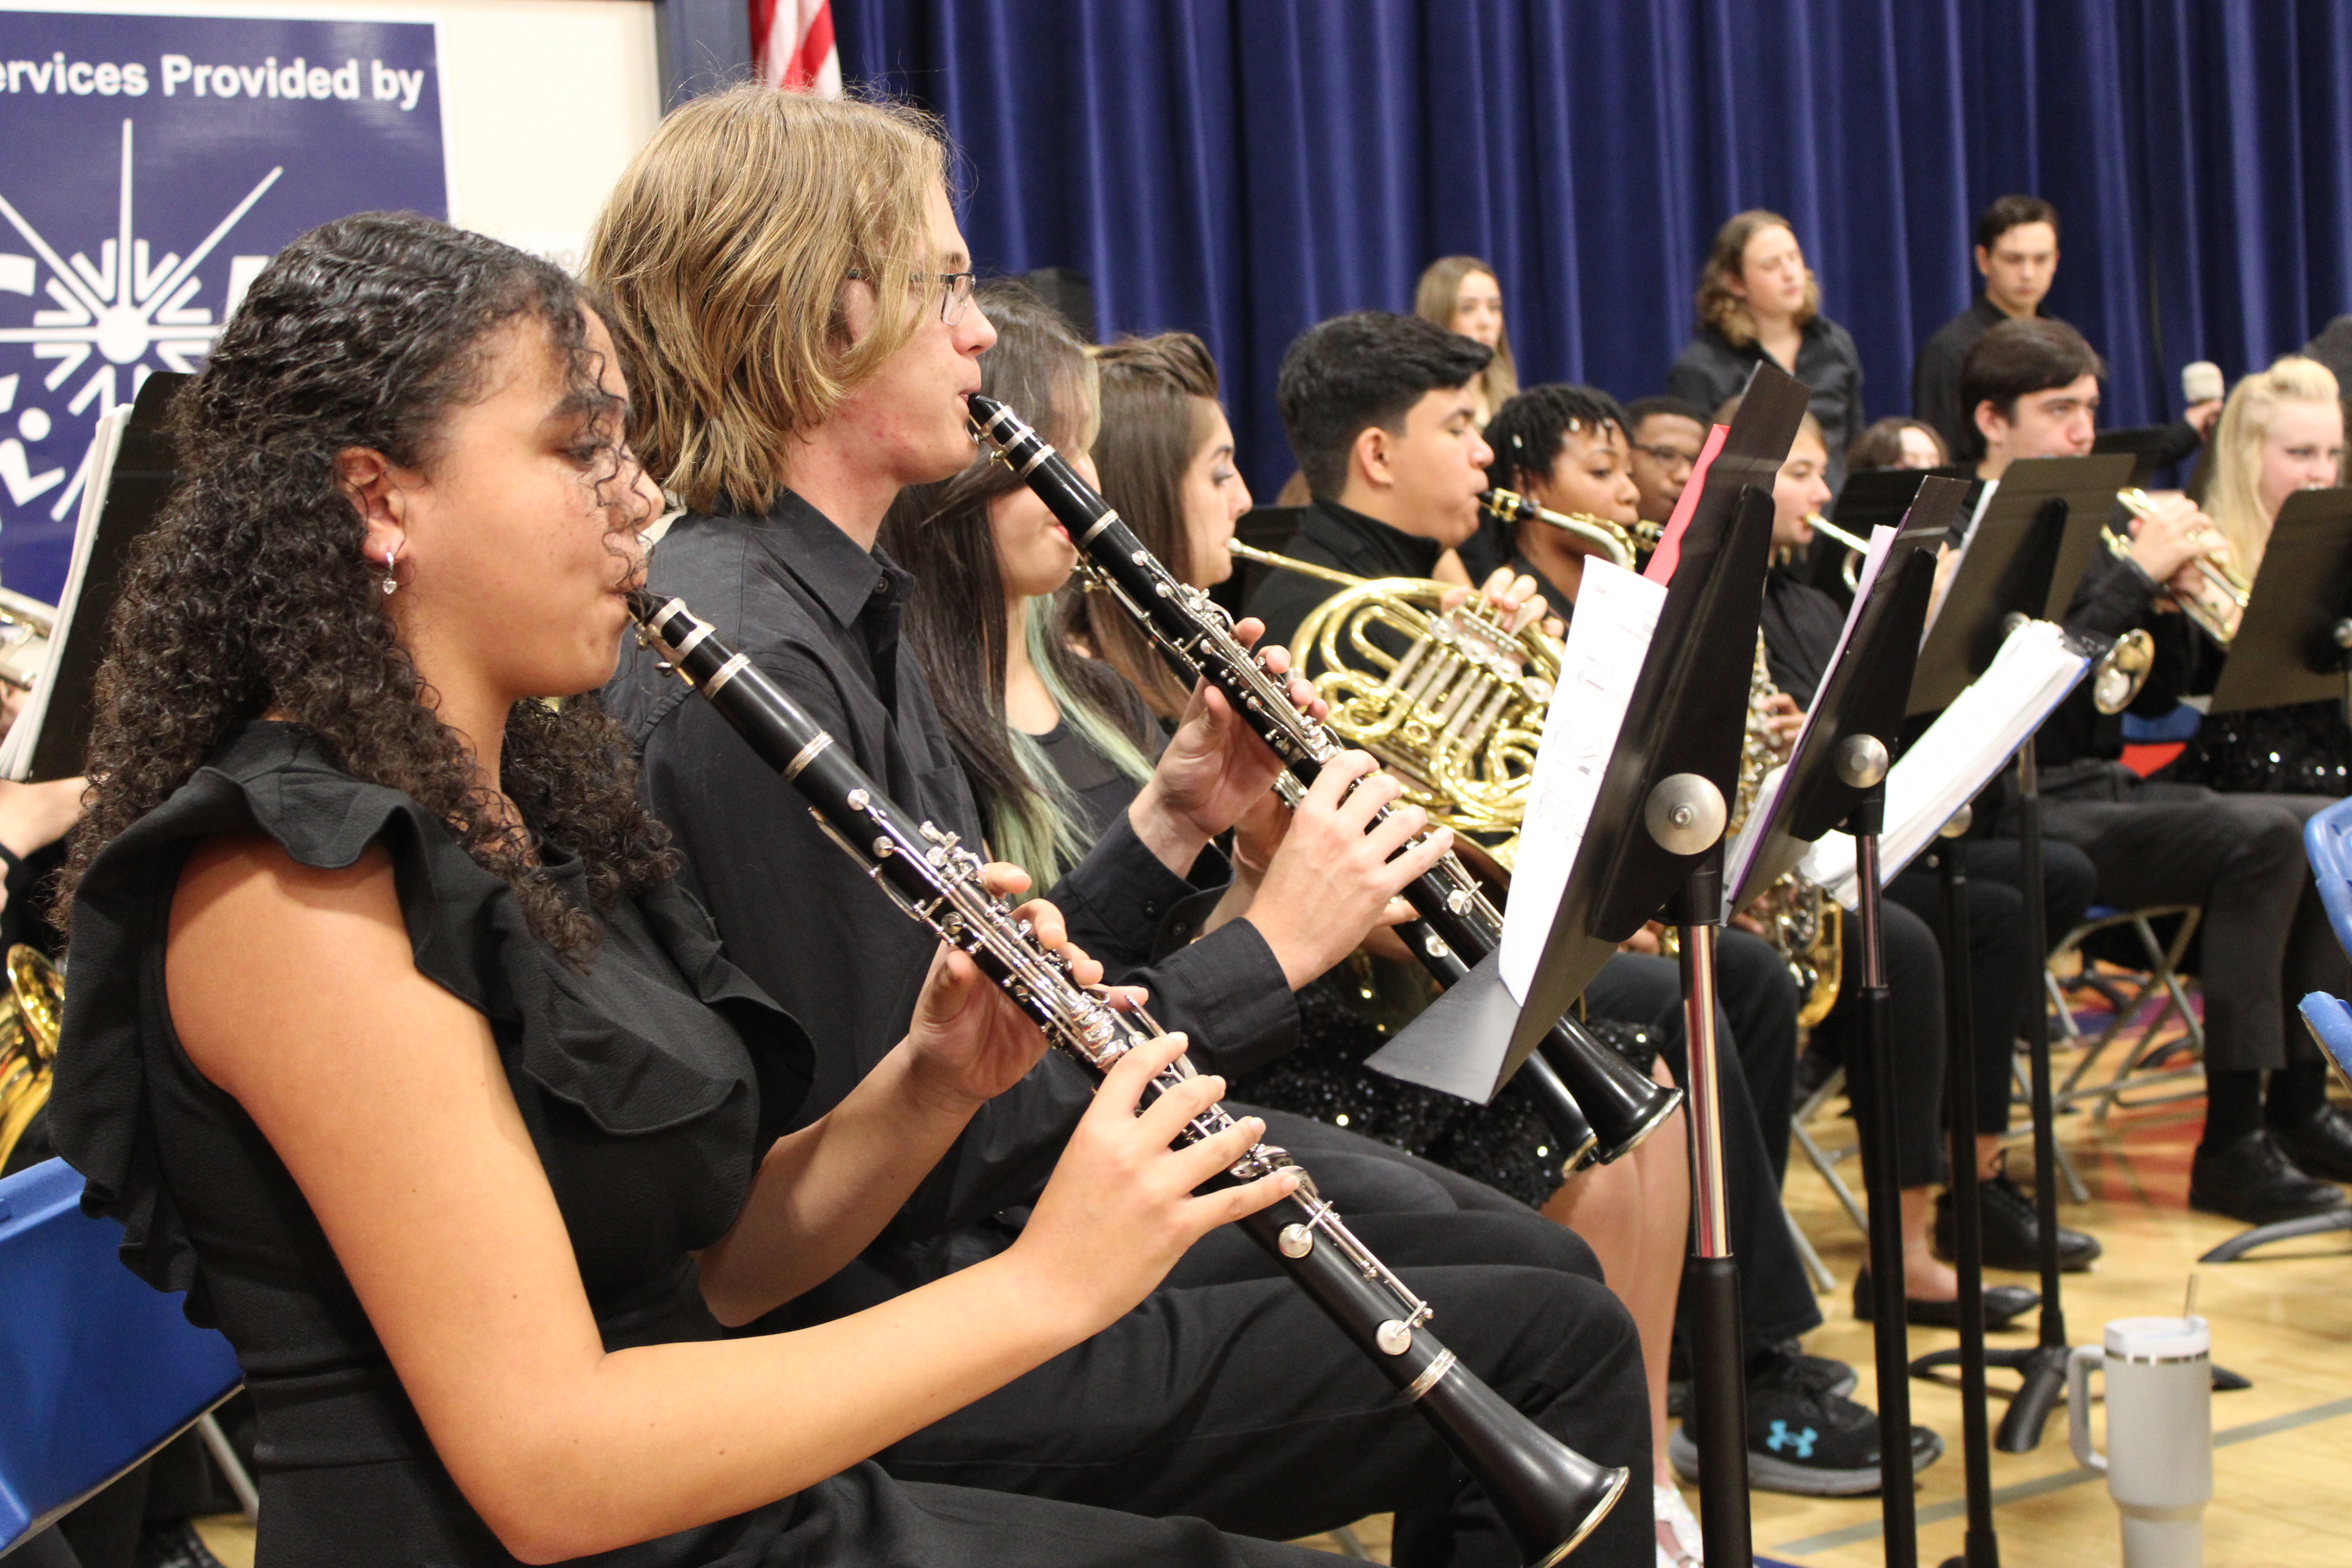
column 1608, row 638
column 1958, row 755
column 1753, row 831
column 105, row 443
column 1949, row 559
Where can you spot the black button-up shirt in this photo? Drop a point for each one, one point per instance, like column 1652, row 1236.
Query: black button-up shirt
column 1709, row 372
column 820, row 616
column 1936, row 375
column 1333, row 535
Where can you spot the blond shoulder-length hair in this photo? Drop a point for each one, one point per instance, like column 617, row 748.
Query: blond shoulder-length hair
column 721, row 258
column 1432, row 300
column 2233, row 500
column 1726, row 311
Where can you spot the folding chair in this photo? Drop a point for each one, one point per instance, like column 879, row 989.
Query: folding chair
column 101, row 1369
column 2143, row 1063
column 2327, row 844
column 1825, row 1162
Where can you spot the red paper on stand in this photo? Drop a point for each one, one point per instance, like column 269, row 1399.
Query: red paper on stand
column 1660, row 568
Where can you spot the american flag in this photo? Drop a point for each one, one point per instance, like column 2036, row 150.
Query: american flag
column 792, row 40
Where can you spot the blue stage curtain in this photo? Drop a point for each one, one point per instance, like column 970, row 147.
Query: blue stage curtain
column 1245, row 168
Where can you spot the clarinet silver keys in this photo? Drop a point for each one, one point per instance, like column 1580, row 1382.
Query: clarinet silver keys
column 1591, row 1097
column 1549, row 1495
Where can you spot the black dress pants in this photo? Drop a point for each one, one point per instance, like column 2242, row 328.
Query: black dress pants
column 2266, row 936
column 1776, row 1299
column 1240, row 1403
column 1915, row 1043
column 2004, row 978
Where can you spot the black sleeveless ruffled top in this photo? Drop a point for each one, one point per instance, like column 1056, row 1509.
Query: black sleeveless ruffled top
column 650, row 1083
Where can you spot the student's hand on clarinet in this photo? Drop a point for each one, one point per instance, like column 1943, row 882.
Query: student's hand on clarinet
column 1120, row 1208
column 1214, row 768
column 969, row 1042
column 1332, row 881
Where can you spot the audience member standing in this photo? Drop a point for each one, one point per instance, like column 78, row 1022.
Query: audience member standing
column 1756, row 298
column 2016, row 255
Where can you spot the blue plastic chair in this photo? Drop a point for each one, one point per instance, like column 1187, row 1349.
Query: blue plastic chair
column 2180, row 724
column 99, row 1369
column 2327, row 844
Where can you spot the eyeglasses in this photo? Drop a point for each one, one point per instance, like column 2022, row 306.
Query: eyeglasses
column 955, row 297
column 1672, row 456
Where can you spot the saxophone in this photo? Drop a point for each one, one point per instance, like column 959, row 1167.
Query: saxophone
column 1800, row 920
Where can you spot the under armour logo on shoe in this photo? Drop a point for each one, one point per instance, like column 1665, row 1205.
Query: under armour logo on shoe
column 1803, row 1442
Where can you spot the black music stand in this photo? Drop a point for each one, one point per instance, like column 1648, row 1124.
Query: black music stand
column 2031, row 547
column 1871, row 498
column 1656, row 836
column 145, row 468
column 1838, row 773
column 2293, row 645
column 2026, row 556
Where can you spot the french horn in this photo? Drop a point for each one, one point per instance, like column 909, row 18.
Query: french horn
column 30, row 1013
column 1450, row 701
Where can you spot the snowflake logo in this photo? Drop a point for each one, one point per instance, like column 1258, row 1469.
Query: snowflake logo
column 123, row 312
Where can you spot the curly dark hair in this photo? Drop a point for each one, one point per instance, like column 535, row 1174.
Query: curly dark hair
column 252, row 594
column 1527, row 432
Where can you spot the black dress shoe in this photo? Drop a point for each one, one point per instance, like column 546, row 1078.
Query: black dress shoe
column 2320, row 1144
column 2012, row 1229
column 2003, row 1305
column 2251, row 1179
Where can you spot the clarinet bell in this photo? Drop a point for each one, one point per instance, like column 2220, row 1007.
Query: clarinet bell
column 1549, row 1496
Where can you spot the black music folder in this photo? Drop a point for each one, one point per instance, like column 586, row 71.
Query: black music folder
column 1687, row 713
column 2032, row 540
column 2292, row 643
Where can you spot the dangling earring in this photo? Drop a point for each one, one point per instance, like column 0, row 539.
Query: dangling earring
column 391, row 583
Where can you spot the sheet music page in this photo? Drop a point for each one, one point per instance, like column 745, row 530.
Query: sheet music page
column 105, row 445
column 1958, row 755
column 1608, row 638
column 1766, row 808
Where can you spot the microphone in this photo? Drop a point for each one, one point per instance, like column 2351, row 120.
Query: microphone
column 2200, row 381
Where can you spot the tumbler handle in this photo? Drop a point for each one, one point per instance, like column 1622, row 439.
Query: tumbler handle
column 2079, row 1364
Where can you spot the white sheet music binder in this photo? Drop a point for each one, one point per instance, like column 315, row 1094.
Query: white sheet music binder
column 1616, row 612
column 1958, row 755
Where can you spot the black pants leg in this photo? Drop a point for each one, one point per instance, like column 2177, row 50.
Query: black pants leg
column 2240, row 856
column 1361, row 1176
column 2000, row 973
column 1915, row 983
column 1242, row 1404
column 1776, row 1299
column 1760, row 1000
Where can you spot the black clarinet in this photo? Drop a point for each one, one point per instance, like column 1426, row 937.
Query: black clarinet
column 1549, row 1495
column 1591, row 1096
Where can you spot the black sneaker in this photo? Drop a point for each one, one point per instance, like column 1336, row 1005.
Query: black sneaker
column 2012, row 1229
column 1804, row 1441
column 2252, row 1179
column 1818, row 1373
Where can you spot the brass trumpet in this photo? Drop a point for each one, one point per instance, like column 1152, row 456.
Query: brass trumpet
column 1604, row 537
column 2218, row 601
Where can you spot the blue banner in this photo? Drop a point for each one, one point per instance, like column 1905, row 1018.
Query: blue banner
column 153, row 165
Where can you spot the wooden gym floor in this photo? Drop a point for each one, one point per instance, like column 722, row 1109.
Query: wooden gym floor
column 2282, row 1471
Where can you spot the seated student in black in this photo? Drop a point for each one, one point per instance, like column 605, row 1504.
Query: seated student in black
column 2032, row 389
column 393, row 1042
column 1057, row 735
column 1801, row 625
column 801, row 351
column 1375, row 406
